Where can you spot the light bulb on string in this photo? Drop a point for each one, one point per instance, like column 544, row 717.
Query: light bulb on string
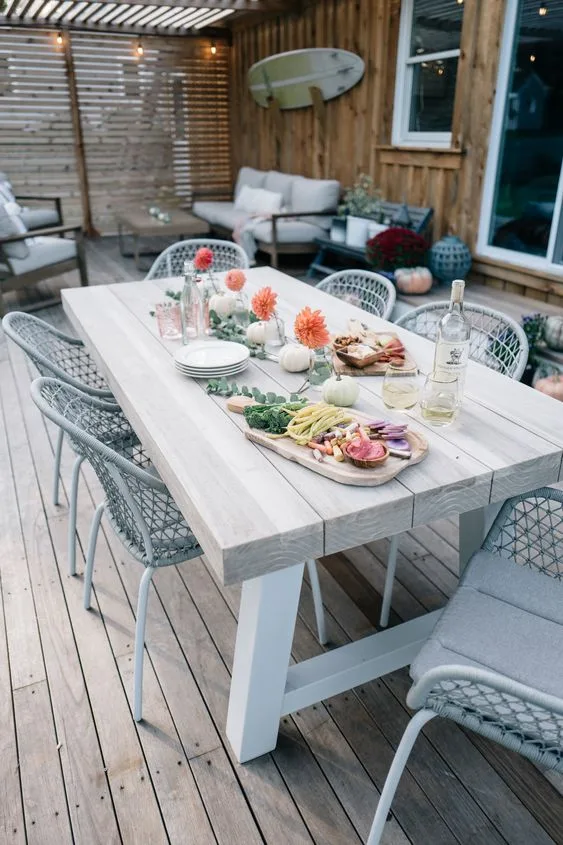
column 213, row 48
column 543, row 10
column 532, row 58
column 139, row 49
column 59, row 38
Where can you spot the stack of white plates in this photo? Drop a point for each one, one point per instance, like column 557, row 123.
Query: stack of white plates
column 212, row 359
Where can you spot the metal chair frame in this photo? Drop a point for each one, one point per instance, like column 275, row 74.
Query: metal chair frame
column 138, row 504
column 226, row 256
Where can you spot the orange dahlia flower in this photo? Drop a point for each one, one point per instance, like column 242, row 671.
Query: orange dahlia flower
column 203, row 259
column 264, row 302
column 235, row 280
column 310, row 328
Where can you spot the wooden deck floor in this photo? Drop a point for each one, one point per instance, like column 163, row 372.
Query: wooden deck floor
column 75, row 766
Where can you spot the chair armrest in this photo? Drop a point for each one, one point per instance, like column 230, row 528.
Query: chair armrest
column 30, row 197
column 282, row 214
column 53, row 230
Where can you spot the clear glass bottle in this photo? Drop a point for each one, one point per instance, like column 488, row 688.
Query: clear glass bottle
column 452, row 339
column 320, row 368
column 191, row 304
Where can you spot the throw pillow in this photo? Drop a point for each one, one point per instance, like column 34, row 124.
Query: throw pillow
column 12, row 224
column 258, row 201
column 6, row 193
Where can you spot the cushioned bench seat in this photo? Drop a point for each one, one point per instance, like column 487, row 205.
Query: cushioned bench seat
column 42, row 253
column 40, row 218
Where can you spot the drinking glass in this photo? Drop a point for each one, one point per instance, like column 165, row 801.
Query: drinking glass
column 169, row 319
column 400, row 387
column 440, row 401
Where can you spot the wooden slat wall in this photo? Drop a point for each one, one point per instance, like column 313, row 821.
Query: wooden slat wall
column 355, row 134
column 155, row 128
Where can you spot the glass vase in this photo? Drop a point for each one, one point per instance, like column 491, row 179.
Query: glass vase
column 320, row 368
column 209, row 287
column 275, row 333
column 241, row 314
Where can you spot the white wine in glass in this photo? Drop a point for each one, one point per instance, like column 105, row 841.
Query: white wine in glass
column 440, row 399
column 400, row 387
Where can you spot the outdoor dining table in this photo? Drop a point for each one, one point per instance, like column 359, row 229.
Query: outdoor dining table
column 259, row 516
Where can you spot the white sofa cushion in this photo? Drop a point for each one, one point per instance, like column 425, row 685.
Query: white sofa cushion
column 44, row 252
column 250, row 177
column 288, row 232
column 11, row 224
column 218, row 213
column 39, row 218
column 6, row 192
column 280, row 183
column 314, row 195
column 258, row 201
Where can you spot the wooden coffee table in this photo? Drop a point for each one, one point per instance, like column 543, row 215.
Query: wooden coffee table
column 139, row 223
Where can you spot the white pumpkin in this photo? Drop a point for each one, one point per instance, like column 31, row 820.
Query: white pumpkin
column 257, row 333
column 223, row 304
column 341, row 390
column 294, row 358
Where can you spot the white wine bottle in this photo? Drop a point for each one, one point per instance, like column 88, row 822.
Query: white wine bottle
column 452, row 339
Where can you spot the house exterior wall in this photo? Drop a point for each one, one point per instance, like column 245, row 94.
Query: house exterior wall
column 352, row 133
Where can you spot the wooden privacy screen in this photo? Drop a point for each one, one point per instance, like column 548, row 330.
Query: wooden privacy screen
column 155, row 128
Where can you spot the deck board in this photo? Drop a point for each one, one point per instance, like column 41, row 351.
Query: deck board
column 66, row 677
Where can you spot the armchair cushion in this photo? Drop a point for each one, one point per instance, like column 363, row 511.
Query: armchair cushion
column 43, row 252
column 314, row 195
column 39, row 218
column 257, row 201
column 11, row 224
column 280, row 183
column 251, row 177
column 288, row 232
column 505, row 618
column 218, row 213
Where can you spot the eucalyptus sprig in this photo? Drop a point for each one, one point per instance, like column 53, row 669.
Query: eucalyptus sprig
column 221, row 387
column 229, row 329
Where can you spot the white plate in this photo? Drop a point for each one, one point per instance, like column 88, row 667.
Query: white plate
column 211, row 354
column 226, row 370
column 213, row 373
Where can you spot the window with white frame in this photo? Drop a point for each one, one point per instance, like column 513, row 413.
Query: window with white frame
column 428, row 55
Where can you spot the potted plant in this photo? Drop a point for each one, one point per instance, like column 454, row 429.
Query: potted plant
column 534, row 328
column 361, row 202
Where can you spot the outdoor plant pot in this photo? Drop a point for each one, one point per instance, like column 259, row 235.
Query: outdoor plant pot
column 356, row 231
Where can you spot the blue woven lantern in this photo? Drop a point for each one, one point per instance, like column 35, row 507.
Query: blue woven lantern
column 449, row 259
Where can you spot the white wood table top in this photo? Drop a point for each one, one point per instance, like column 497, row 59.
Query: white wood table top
column 252, row 510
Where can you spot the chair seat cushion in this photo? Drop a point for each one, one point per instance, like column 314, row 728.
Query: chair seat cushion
column 39, row 218
column 288, row 232
column 218, row 213
column 505, row 618
column 251, row 177
column 10, row 225
column 43, row 252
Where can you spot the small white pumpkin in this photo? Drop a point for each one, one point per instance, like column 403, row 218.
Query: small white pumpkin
column 257, row 333
column 223, row 304
column 294, row 358
column 341, row 390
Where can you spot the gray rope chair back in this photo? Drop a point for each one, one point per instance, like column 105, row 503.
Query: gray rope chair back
column 226, row 256
column 370, row 291
column 138, row 504
column 55, row 353
column 497, row 341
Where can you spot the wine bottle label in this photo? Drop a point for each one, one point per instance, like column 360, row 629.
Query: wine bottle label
column 452, row 357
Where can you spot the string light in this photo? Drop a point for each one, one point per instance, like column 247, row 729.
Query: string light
column 59, row 38
column 213, row 48
column 543, row 10
column 532, row 58
column 460, row 2
column 140, row 49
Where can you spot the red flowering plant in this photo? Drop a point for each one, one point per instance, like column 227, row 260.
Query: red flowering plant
column 203, row 259
column 396, row 247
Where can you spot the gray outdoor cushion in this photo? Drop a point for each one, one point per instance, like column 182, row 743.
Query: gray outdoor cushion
column 280, row 183
column 39, row 218
column 9, row 227
column 505, row 618
column 47, row 251
column 219, row 213
column 251, row 177
column 288, row 232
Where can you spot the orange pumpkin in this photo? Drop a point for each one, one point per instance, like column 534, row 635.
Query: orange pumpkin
column 551, row 386
column 413, row 280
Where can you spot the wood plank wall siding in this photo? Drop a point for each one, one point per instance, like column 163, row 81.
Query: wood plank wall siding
column 155, row 128
column 355, row 133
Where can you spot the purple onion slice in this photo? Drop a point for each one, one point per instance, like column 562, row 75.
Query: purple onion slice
column 400, row 444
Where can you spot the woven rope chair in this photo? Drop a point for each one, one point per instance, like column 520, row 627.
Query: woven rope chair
column 482, row 679
column 370, row 291
column 64, row 357
column 138, row 504
column 226, row 256
column 496, row 341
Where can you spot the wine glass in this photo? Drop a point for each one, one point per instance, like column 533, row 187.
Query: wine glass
column 400, row 386
column 440, row 401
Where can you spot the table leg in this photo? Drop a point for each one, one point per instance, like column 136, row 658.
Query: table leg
column 120, row 238
column 473, row 528
column 267, row 615
column 136, row 251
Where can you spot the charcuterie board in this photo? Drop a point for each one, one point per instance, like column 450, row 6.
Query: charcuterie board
column 329, row 467
column 343, row 357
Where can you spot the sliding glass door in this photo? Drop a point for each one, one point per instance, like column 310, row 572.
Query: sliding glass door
column 521, row 213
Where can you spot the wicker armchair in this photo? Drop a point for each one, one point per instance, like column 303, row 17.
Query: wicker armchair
column 491, row 662
column 370, row 291
column 138, row 504
column 497, row 341
column 226, row 256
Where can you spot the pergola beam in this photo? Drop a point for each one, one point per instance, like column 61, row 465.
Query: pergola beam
column 216, row 33
column 236, row 5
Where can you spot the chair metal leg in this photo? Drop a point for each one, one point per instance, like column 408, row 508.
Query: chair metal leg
column 392, row 781
column 140, row 640
column 72, row 515
column 389, row 579
column 94, row 527
column 317, row 600
column 57, row 468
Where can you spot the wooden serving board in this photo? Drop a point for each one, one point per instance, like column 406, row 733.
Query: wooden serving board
column 356, row 328
column 342, row 472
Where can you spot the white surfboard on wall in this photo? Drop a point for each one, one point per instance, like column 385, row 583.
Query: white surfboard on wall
column 287, row 77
